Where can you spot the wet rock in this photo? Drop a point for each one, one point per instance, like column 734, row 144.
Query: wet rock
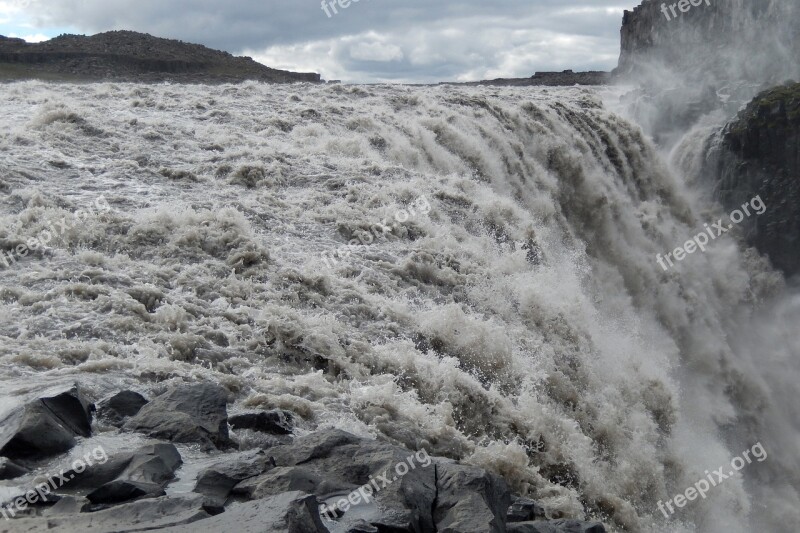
column 46, row 426
column 347, row 463
column 292, row 512
column 756, row 157
column 278, row 480
column 123, row 490
column 557, row 526
column 10, row 470
column 469, row 499
column 66, row 506
column 118, row 408
column 142, row 515
column 217, row 481
column 190, row 413
column 277, row 422
column 524, row 510
column 143, row 473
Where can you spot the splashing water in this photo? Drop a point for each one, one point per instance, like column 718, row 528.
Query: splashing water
column 522, row 324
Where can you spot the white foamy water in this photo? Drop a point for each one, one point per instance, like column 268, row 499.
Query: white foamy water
column 522, row 324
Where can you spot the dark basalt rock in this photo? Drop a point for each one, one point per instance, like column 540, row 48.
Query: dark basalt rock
column 277, row 422
column 142, row 515
column 278, row 480
column 10, row 470
column 217, row 481
column 333, row 464
column 124, row 490
column 679, row 83
column 142, row 473
column 290, row 512
column 758, row 154
column 118, row 408
column 469, row 499
column 46, row 426
column 524, row 510
column 557, row 526
column 191, row 413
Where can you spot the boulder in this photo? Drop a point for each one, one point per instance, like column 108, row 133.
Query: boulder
column 10, row 470
column 277, row 422
column 118, row 408
column 124, row 490
column 339, row 466
column 217, row 481
column 280, row 479
column 290, row 512
column 469, row 499
column 142, row 473
column 143, row 515
column 47, row 425
column 556, row 526
column 190, row 413
column 524, row 510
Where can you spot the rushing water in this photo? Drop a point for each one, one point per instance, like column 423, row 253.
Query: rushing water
column 519, row 321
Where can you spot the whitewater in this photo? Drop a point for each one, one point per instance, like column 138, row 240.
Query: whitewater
column 521, row 323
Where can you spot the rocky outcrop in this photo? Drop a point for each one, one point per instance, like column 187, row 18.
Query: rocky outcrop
column 712, row 41
column 131, row 56
column 711, row 56
column 758, row 154
column 328, row 480
column 191, row 413
column 46, row 426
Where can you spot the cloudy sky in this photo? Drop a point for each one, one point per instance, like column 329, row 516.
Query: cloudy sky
column 369, row 41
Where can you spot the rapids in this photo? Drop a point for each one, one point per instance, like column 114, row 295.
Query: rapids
column 521, row 323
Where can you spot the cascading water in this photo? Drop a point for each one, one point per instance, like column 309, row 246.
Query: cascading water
column 522, row 323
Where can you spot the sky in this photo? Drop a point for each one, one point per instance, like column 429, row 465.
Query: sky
column 405, row 41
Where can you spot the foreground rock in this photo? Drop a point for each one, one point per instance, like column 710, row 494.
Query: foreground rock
column 276, row 422
column 217, row 481
column 292, row 512
column 46, row 426
column 118, row 408
column 133, row 57
column 10, row 470
column 190, row 413
column 469, row 499
column 143, row 515
column 758, row 154
column 557, row 526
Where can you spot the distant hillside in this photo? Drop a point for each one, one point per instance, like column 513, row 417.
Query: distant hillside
column 566, row 77
column 131, row 56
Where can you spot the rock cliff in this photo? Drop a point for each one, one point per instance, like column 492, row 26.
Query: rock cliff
column 131, row 56
column 741, row 40
column 758, row 153
column 710, row 56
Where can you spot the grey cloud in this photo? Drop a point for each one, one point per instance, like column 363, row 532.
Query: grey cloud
column 467, row 37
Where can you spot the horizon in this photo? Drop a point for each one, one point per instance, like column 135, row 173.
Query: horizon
column 366, row 42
